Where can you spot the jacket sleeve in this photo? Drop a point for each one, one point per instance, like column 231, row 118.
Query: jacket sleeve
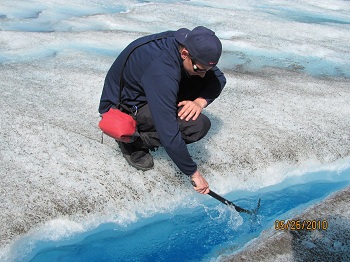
column 160, row 83
column 215, row 81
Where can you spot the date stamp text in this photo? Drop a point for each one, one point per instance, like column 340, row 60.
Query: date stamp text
column 314, row 224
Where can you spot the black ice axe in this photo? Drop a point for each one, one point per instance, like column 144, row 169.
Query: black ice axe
column 229, row 203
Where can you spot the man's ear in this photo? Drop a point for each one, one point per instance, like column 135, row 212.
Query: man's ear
column 184, row 53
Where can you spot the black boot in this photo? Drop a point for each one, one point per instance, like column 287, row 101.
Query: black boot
column 139, row 158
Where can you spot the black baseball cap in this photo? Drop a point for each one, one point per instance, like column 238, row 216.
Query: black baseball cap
column 202, row 44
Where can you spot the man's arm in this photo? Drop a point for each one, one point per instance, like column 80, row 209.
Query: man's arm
column 160, row 83
column 215, row 82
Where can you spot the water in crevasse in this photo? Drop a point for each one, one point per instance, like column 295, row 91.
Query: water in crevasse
column 192, row 234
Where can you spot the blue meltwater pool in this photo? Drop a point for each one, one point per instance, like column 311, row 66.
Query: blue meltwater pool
column 201, row 233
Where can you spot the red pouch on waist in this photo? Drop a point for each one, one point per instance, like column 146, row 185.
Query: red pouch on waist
column 118, row 125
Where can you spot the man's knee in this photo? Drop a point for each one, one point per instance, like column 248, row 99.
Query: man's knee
column 193, row 131
column 205, row 125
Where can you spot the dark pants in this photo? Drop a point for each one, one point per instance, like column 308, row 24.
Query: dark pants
column 191, row 131
column 189, row 89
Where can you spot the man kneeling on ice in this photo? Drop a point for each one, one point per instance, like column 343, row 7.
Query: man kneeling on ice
column 168, row 79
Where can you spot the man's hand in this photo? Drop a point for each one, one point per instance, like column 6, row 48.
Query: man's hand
column 191, row 109
column 199, row 183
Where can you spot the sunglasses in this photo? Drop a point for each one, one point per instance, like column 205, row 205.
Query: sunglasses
column 196, row 68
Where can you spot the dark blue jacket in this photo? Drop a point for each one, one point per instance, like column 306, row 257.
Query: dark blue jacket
column 152, row 75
